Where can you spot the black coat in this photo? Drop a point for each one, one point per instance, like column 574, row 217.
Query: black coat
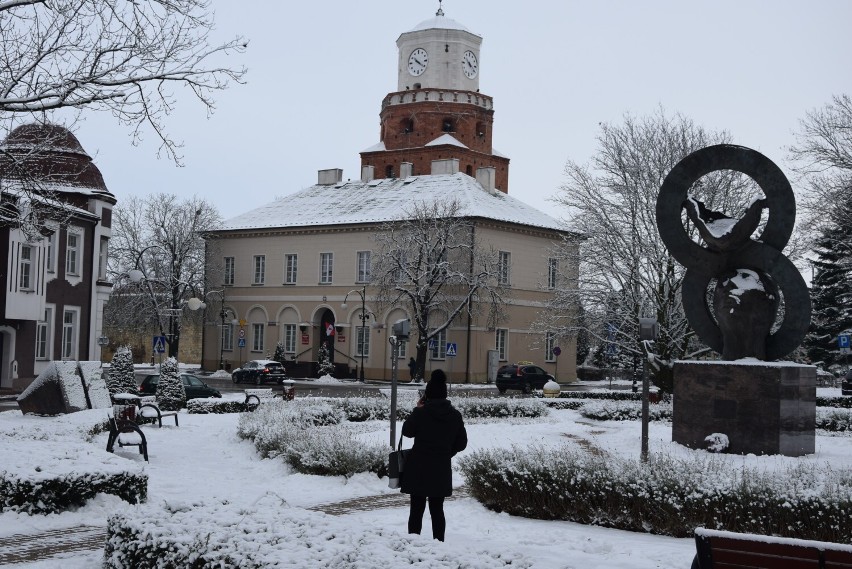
column 439, row 433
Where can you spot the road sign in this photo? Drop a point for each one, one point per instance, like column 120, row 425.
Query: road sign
column 159, row 344
column 843, row 340
column 556, row 351
column 242, row 335
column 241, row 343
column 432, row 344
column 451, row 349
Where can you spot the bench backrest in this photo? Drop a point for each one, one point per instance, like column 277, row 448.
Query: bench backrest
column 731, row 550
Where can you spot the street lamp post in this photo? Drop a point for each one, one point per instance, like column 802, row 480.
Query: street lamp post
column 364, row 317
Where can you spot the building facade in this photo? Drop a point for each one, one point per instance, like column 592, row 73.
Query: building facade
column 56, row 283
column 287, row 267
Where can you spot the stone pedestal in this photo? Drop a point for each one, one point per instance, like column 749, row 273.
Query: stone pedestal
column 763, row 407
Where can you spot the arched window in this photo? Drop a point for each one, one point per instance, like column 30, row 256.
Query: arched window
column 480, row 129
column 406, row 126
column 448, row 125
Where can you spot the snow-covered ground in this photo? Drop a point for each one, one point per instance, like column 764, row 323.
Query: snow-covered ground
column 203, row 459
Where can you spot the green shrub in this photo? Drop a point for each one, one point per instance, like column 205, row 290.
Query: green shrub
column 835, row 420
column 665, row 496
column 121, row 377
column 843, row 402
column 214, row 406
column 612, row 395
column 624, row 411
column 171, row 396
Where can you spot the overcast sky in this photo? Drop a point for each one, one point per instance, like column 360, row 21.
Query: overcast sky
column 318, row 71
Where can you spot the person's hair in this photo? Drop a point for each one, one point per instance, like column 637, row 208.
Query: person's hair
column 436, row 388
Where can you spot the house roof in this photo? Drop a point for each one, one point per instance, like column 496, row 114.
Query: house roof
column 439, row 22
column 383, row 200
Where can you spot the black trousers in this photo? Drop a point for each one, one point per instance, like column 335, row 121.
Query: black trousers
column 436, row 512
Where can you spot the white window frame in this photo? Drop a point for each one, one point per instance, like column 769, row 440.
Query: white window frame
column 25, row 268
column 503, row 268
column 439, row 352
column 501, row 343
column 552, row 272
column 290, row 338
column 291, row 268
column 258, row 331
column 103, row 255
column 228, row 337
column 73, row 254
column 70, row 333
column 50, row 252
column 44, row 335
column 229, row 271
column 362, row 341
column 259, row 273
column 364, row 266
column 326, row 268
column 549, row 344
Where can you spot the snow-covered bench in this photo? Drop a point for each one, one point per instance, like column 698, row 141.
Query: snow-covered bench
column 150, row 410
column 126, row 434
column 743, row 550
column 255, row 397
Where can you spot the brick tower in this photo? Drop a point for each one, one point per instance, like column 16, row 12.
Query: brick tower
column 437, row 122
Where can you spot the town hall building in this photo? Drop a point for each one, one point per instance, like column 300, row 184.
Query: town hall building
column 287, row 267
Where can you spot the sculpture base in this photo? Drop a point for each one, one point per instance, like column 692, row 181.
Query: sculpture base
column 763, row 407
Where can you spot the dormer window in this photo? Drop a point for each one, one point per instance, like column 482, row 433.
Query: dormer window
column 448, row 126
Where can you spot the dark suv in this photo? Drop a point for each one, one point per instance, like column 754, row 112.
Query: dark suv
column 524, row 377
column 259, row 372
column 846, row 386
column 194, row 387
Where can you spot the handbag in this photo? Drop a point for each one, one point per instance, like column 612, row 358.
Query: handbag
column 396, row 464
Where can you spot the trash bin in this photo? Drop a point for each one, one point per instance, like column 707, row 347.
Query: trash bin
column 288, row 390
column 124, row 407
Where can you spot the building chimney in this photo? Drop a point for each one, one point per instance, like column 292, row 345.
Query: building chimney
column 487, row 177
column 329, row 177
column 405, row 170
column 368, row 173
column 445, row 166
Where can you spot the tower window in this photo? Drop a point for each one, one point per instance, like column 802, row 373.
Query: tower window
column 389, row 171
column 469, row 170
column 448, row 125
column 406, row 126
column 480, row 129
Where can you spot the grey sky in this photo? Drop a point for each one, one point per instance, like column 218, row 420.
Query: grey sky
column 318, row 72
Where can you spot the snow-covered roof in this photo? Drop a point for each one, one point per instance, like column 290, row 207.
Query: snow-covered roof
column 383, row 200
column 439, row 22
column 446, row 139
column 379, row 147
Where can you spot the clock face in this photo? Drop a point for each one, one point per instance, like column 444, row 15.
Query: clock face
column 469, row 64
column 417, row 61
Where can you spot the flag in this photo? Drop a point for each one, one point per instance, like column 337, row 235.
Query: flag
column 329, row 329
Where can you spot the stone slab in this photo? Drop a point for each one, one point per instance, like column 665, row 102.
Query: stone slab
column 763, row 407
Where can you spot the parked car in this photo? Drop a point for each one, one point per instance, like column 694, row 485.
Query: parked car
column 194, row 387
column 524, row 377
column 846, row 386
column 260, row 372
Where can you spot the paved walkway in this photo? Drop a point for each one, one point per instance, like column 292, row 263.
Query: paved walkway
column 26, row 548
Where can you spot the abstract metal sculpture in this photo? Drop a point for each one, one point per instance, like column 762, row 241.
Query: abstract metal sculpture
column 749, row 272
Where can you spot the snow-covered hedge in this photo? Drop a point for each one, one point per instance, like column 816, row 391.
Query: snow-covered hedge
column 837, row 420
column 612, row 395
column 371, row 408
column 214, row 406
column 227, row 536
column 665, row 496
column 624, row 411
column 45, row 477
column 843, row 402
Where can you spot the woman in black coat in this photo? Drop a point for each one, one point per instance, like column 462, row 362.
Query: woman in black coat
column 439, row 433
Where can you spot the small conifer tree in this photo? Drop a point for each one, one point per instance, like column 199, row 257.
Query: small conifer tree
column 121, row 378
column 325, row 365
column 279, row 355
column 171, row 395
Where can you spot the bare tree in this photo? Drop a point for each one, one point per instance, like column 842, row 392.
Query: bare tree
column 121, row 56
column 157, row 262
column 625, row 271
column 431, row 262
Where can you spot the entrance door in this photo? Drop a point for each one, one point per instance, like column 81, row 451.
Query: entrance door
column 326, row 335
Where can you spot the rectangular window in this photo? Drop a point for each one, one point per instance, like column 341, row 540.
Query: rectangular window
column 363, row 266
column 501, row 343
column 229, row 271
column 43, row 335
column 401, row 269
column 72, row 254
column 69, row 335
column 326, row 267
column 25, row 267
column 362, row 345
column 439, row 345
column 289, row 338
column 291, row 266
column 51, row 252
column 257, row 337
column 549, row 344
column 552, row 271
column 259, row 269
column 402, row 350
column 103, row 255
column 228, row 337
column 503, row 268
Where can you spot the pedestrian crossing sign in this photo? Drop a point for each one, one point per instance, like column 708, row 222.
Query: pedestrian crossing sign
column 451, row 349
column 159, row 344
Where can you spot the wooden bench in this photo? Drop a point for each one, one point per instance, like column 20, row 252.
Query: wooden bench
column 153, row 411
column 729, row 550
column 126, row 434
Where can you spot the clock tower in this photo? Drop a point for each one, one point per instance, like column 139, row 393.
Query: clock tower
column 437, row 115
